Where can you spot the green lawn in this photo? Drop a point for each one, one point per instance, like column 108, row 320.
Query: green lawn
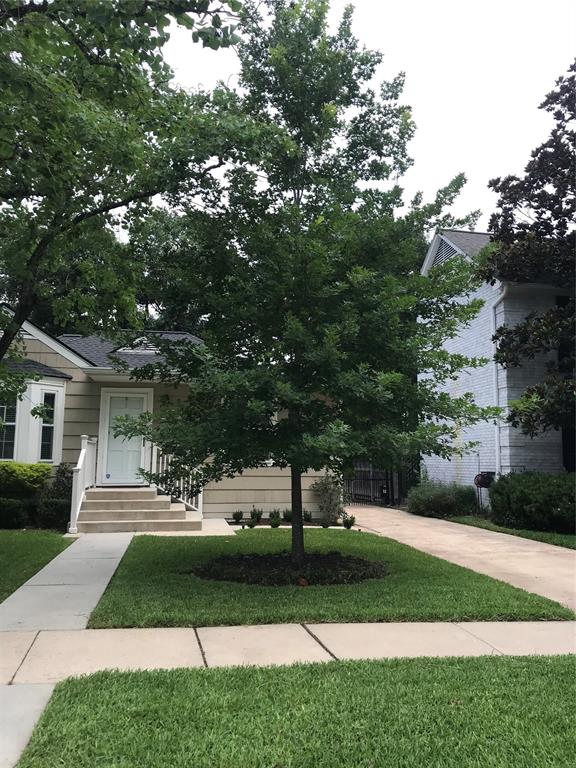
column 492, row 712
column 558, row 539
column 23, row 553
column 152, row 587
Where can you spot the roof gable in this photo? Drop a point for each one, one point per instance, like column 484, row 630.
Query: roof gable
column 450, row 242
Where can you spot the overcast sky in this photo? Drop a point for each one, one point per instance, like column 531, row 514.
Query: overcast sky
column 475, row 75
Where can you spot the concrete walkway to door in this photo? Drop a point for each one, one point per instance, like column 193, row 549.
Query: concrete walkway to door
column 541, row 568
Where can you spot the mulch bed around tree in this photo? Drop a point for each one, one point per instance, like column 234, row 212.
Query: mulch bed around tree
column 278, row 569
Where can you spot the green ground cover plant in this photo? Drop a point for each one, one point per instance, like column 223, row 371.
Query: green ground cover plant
column 548, row 537
column 154, row 586
column 494, row 712
column 24, row 553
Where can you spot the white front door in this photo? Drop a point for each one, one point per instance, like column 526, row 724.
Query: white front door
column 122, row 457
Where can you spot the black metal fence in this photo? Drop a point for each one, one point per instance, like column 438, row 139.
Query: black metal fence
column 373, row 486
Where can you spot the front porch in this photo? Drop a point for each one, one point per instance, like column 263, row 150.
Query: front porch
column 102, row 507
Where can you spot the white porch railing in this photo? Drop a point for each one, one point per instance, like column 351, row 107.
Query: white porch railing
column 83, row 477
column 179, row 489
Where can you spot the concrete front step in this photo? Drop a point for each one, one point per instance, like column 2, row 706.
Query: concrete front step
column 126, row 494
column 174, row 512
column 192, row 523
column 160, row 502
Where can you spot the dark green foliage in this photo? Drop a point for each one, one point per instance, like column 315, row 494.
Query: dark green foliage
column 278, row 569
column 536, row 501
column 105, row 130
column 348, row 521
column 53, row 513
column 307, row 516
column 287, row 515
column 275, row 518
column 441, row 499
column 237, row 516
column 22, row 481
column 256, row 515
column 535, row 242
column 301, row 274
column 16, row 513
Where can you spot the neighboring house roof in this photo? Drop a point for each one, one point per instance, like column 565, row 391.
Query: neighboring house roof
column 34, row 368
column 449, row 242
column 470, row 243
column 101, row 352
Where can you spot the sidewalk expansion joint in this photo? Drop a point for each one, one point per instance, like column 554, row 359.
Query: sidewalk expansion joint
column 320, row 643
column 205, row 662
column 11, row 681
column 462, row 625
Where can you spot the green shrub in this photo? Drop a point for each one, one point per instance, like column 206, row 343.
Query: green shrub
column 287, row 515
column 237, row 516
column 330, row 499
column 534, row 500
column 53, row 513
column 256, row 515
column 15, row 513
column 274, row 518
column 22, row 481
column 252, row 522
column 441, row 499
column 307, row 516
column 348, row 520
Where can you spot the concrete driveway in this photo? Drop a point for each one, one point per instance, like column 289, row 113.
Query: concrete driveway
column 541, row 568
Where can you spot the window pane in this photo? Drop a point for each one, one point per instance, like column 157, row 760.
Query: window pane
column 49, row 403
column 47, row 442
column 7, row 438
column 7, row 429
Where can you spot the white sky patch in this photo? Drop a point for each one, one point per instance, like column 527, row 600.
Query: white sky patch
column 475, row 75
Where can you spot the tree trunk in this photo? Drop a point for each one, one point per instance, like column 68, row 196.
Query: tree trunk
column 297, row 522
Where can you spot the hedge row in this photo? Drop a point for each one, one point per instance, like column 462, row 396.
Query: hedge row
column 29, row 497
column 535, row 501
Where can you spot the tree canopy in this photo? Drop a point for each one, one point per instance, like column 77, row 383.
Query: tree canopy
column 302, row 276
column 92, row 127
column 535, row 242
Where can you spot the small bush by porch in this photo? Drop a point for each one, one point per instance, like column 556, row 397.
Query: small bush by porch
column 154, row 586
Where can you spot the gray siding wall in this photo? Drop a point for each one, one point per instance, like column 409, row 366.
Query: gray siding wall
column 518, row 452
column 521, row 453
column 474, row 341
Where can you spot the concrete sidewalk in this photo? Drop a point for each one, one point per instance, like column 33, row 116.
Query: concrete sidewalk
column 65, row 592
column 46, row 657
column 541, row 568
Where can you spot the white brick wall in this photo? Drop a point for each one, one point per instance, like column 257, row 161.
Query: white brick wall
column 517, row 451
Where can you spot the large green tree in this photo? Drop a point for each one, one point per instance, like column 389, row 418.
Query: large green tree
column 302, row 277
column 92, row 127
column 534, row 238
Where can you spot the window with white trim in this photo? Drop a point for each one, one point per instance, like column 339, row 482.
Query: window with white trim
column 7, row 429
column 47, row 431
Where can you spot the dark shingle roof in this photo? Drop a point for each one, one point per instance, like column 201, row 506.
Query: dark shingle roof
column 32, row 367
column 470, row 243
column 99, row 351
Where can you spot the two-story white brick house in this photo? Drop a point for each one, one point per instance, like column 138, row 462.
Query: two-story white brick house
column 501, row 447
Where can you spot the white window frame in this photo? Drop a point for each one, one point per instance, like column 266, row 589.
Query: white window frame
column 29, row 428
column 105, row 395
column 15, row 424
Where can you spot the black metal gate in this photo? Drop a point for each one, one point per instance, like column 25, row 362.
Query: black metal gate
column 373, row 486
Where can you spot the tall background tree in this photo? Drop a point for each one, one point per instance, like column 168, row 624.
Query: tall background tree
column 91, row 127
column 534, row 234
column 302, row 277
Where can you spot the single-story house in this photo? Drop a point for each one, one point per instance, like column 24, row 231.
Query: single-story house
column 501, row 447
column 74, row 377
